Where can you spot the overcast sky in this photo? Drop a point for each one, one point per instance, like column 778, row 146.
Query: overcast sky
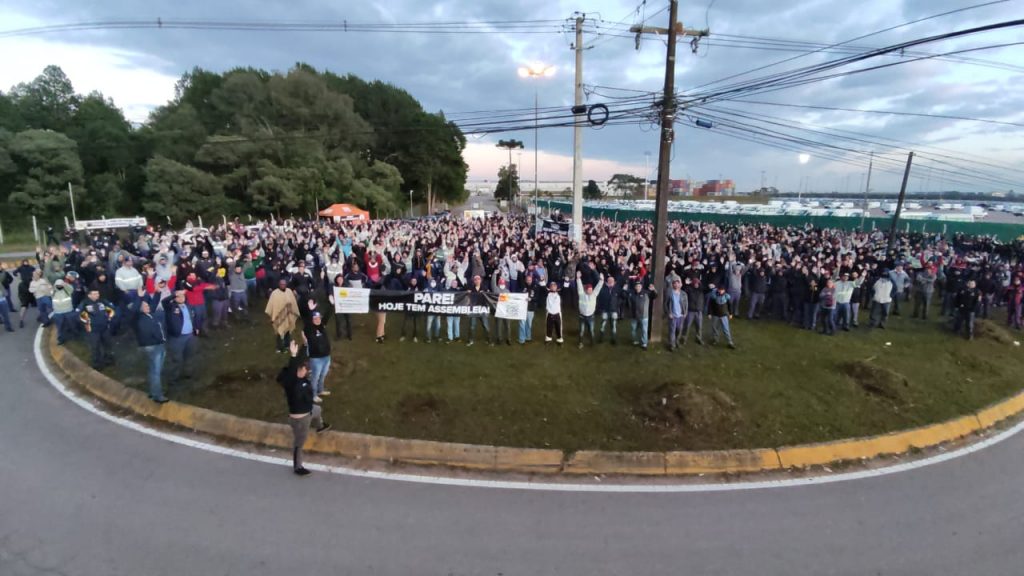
column 470, row 72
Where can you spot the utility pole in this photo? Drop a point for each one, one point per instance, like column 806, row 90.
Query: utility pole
column 899, row 204
column 536, row 140
column 668, row 118
column 577, row 137
column 863, row 215
column 647, row 173
column 71, row 195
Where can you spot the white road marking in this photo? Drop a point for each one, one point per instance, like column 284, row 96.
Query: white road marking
column 519, row 485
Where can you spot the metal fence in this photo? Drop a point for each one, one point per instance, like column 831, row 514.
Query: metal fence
column 1003, row 231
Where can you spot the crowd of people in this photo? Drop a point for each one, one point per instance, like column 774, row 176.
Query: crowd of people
column 169, row 289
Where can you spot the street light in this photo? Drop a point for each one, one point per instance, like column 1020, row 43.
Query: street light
column 536, row 70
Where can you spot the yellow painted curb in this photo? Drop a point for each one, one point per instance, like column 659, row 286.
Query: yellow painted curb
column 871, row 447
column 596, row 462
column 717, row 461
column 365, row 447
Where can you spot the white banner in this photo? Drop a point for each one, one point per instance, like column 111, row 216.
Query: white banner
column 109, row 223
column 511, row 306
column 351, row 300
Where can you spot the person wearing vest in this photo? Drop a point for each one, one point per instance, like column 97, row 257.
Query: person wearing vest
column 96, row 315
column 63, row 308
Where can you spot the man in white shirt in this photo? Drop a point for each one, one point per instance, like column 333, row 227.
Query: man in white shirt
column 881, row 300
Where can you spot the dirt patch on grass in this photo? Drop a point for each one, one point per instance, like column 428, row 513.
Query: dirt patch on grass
column 240, row 380
column 421, row 410
column 876, row 380
column 993, row 331
column 681, row 408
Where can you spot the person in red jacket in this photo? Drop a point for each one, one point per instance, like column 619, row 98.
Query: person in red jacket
column 195, row 297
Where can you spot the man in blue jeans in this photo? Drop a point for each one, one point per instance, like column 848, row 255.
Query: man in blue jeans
column 536, row 294
column 638, row 306
column 318, row 348
column 179, row 320
column 676, row 305
column 150, row 335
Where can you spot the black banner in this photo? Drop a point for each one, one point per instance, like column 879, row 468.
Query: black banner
column 441, row 303
column 552, row 227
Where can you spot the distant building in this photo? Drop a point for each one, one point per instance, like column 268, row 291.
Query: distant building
column 716, row 188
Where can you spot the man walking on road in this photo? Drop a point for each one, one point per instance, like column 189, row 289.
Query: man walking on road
column 302, row 409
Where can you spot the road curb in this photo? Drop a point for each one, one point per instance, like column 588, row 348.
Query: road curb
column 368, row 448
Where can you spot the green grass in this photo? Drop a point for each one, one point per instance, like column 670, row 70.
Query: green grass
column 783, row 386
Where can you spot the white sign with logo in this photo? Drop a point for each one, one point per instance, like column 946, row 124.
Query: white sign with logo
column 511, row 306
column 351, row 300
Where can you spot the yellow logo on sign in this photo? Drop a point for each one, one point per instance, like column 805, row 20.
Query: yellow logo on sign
column 502, row 297
column 343, row 293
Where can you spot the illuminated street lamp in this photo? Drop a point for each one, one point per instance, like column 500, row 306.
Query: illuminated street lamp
column 536, row 71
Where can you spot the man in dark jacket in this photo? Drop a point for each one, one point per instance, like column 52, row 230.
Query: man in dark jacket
column 302, row 409
column 536, row 296
column 966, row 303
column 758, row 292
column 609, row 304
column 96, row 314
column 779, row 287
column 150, row 335
column 180, row 323
column 318, row 348
column 638, row 307
column 694, row 311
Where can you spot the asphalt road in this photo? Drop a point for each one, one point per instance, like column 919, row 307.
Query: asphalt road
column 82, row 496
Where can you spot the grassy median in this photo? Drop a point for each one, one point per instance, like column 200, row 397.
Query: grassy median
column 782, row 386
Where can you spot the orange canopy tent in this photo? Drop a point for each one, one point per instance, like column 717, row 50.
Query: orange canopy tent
column 345, row 212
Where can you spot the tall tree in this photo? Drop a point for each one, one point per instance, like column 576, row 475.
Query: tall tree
column 47, row 161
column 626, row 184
column 48, row 101
column 592, row 191
column 508, row 182
column 178, row 191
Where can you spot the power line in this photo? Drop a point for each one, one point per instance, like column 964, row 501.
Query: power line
column 877, row 32
column 886, row 112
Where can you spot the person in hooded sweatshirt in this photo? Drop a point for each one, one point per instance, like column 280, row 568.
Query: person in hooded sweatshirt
column 638, row 308
column 535, row 297
column 502, row 325
column 303, row 411
column 587, row 303
column 881, row 300
column 553, row 308
column 433, row 329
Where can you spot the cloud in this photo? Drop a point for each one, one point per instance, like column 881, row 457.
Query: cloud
column 477, row 71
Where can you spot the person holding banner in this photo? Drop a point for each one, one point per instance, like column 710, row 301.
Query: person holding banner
column 501, row 325
column 433, row 331
column 454, row 320
column 535, row 295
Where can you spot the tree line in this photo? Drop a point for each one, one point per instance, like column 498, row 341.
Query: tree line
column 246, row 141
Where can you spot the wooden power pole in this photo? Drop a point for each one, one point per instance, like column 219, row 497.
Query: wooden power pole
column 668, row 118
column 899, row 204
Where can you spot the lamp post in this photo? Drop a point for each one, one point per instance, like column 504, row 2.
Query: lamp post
column 536, row 71
column 410, row 204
